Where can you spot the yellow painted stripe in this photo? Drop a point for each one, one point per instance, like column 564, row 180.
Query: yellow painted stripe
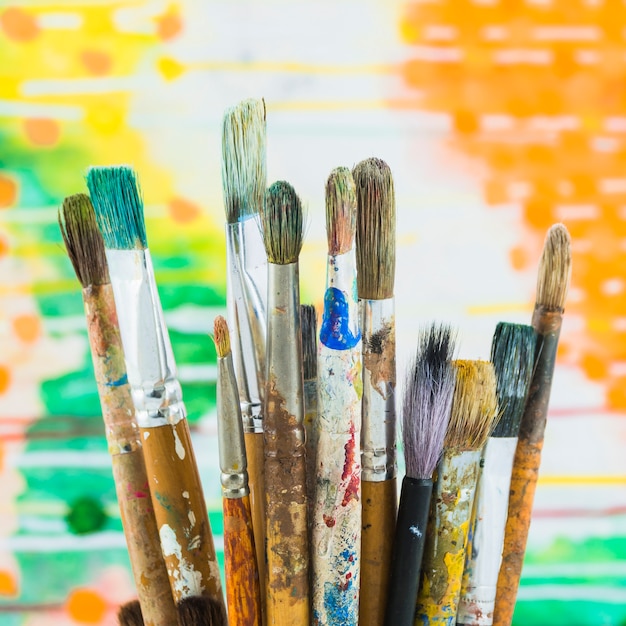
column 292, row 67
column 574, row 481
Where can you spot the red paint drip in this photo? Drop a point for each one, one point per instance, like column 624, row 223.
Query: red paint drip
column 350, row 449
column 352, row 490
column 328, row 520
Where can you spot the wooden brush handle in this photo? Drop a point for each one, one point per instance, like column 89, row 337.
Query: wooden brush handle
column 379, row 523
column 243, row 592
column 256, row 480
column 180, row 511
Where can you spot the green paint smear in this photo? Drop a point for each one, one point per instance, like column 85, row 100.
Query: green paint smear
column 86, row 515
column 568, row 613
column 199, row 399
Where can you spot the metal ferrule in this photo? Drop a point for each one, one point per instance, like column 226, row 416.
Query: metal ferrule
column 150, row 365
column 378, row 431
column 284, row 359
column 247, row 294
column 233, row 465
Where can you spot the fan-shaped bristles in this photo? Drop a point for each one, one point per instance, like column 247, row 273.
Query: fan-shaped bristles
column 375, row 230
column 282, row 222
column 513, row 357
column 119, row 209
column 340, row 211
column 243, row 159
column 201, row 611
column 427, row 401
column 83, row 240
column 308, row 321
column 474, row 407
column 555, row 269
column 221, row 337
column 130, row 614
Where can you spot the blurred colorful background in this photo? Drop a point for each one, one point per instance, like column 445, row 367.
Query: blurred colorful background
column 497, row 117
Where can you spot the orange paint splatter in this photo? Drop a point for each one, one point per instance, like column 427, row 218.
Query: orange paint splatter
column 42, row 131
column 5, row 378
column 169, row 25
column 4, row 245
column 519, row 258
column 182, row 210
column 27, row 327
column 18, row 24
column 96, row 62
column 8, row 192
column 8, row 584
column 87, row 606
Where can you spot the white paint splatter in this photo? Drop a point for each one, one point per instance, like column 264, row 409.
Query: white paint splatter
column 186, row 494
column 180, row 449
column 146, row 434
column 192, row 518
column 415, row 531
column 187, row 581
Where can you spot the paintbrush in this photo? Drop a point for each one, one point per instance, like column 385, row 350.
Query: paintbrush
column 474, row 411
column 336, row 550
column 285, row 464
column 309, row 372
column 86, row 252
column 552, row 285
column 376, row 261
column 243, row 182
column 130, row 614
column 177, row 497
column 243, row 592
column 192, row 611
column 426, row 412
column 512, row 354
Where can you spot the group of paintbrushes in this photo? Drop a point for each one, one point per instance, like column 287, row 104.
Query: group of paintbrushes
column 313, row 533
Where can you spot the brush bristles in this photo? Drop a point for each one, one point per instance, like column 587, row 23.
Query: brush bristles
column 83, row 240
column 221, row 337
column 201, row 611
column 375, row 230
column 555, row 269
column 513, row 357
column 308, row 321
column 243, row 159
column 474, row 407
column 282, row 223
column 119, row 209
column 340, row 211
column 427, row 401
column 130, row 614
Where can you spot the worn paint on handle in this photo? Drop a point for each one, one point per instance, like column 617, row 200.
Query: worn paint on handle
column 131, row 483
column 444, row 553
column 243, row 592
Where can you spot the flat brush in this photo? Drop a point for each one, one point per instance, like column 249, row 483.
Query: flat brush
column 176, row 491
column 425, row 416
column 512, row 354
column 552, row 285
column 376, row 262
column 309, row 371
column 243, row 592
column 244, row 182
column 336, row 549
column 283, row 415
column 473, row 414
column 192, row 611
column 86, row 251
column 130, row 614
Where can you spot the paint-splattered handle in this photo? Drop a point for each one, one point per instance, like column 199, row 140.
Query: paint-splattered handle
column 180, row 511
column 243, row 592
column 142, row 538
column 408, row 549
column 521, row 497
column 379, row 503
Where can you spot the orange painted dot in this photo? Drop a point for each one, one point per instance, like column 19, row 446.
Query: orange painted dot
column 8, row 584
column 595, row 367
column 8, row 191
column 4, row 245
column 27, row 327
column 183, row 210
column 5, row 378
column 169, row 24
column 465, row 122
column 42, row 131
column 87, row 606
column 19, row 25
column 616, row 396
column 518, row 257
column 97, row 62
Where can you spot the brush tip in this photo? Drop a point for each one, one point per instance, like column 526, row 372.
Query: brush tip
column 243, row 159
column 340, row 211
column 554, row 269
column 221, row 337
column 375, row 229
column 116, row 198
column 201, row 611
column 308, row 325
column 282, row 224
column 83, row 240
column 129, row 614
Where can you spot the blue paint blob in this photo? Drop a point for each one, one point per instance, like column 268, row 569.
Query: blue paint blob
column 119, row 382
column 340, row 605
column 335, row 332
